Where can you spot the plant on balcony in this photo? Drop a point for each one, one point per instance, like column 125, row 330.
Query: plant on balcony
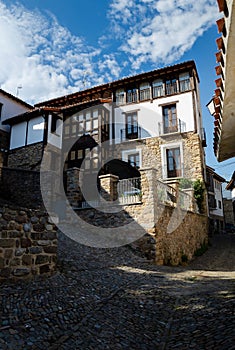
column 185, row 183
column 199, row 189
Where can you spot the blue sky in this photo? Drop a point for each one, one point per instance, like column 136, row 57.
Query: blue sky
column 52, row 47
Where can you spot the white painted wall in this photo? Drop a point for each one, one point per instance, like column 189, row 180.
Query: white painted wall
column 150, row 114
column 10, row 109
column 18, row 135
column 55, row 138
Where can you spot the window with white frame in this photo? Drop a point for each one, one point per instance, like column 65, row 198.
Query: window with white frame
column 158, row 88
column 184, row 82
column 131, row 125
column 144, row 91
column 133, row 157
column 172, row 160
column 120, row 96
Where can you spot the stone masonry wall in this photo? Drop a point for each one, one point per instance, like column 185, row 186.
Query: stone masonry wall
column 28, row 243
column 190, row 233
column 21, row 187
column 28, row 157
column 151, row 153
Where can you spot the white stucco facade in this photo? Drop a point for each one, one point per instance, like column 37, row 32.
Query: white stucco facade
column 10, row 107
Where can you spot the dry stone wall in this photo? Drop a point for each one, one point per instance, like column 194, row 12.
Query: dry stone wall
column 28, row 243
column 27, row 157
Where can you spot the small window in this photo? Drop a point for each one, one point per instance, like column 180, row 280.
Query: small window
column 132, row 95
column 184, row 81
column 170, row 123
column 55, row 120
column 171, row 87
column 144, row 91
column 120, row 97
column 158, row 88
column 132, row 130
column 174, row 168
column 134, row 159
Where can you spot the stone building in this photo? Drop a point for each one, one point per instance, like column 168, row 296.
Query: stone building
column 124, row 134
column 161, row 109
column 215, row 201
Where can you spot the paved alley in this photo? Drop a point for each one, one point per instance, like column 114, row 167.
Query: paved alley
column 115, row 299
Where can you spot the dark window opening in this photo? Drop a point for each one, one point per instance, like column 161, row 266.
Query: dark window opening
column 173, row 162
column 132, row 126
column 170, row 119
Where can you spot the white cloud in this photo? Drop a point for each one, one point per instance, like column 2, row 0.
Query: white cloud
column 48, row 61
column 160, row 31
column 40, row 55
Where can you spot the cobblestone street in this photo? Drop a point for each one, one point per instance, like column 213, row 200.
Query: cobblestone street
column 115, row 299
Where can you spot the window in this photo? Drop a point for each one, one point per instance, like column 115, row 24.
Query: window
column 184, row 81
column 169, row 119
column 55, row 123
column 120, row 97
column 133, row 157
column 144, row 91
column 132, row 95
column 171, row 87
column 173, row 162
column 158, row 88
column 131, row 126
column 220, row 204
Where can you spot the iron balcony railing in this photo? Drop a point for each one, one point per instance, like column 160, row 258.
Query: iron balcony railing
column 129, row 190
column 133, row 134
column 177, row 126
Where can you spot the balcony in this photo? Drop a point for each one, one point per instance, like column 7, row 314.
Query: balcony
column 179, row 127
column 135, row 134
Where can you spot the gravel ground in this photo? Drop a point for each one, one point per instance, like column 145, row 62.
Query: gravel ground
column 115, row 299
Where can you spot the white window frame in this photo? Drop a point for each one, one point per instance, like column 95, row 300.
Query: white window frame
column 128, row 152
column 164, row 158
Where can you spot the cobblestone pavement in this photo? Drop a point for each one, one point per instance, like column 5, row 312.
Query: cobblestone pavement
column 115, row 299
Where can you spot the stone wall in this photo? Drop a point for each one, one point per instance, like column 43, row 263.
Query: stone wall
column 193, row 153
column 172, row 233
column 21, row 187
column 28, row 243
column 28, row 157
column 229, row 216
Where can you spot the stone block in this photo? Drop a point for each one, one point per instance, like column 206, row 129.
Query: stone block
column 23, row 271
column 19, row 251
column 7, row 243
column 50, row 250
column 25, row 243
column 35, row 250
column 27, row 260
column 43, row 242
column 44, row 269
column 41, row 259
column 8, row 253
